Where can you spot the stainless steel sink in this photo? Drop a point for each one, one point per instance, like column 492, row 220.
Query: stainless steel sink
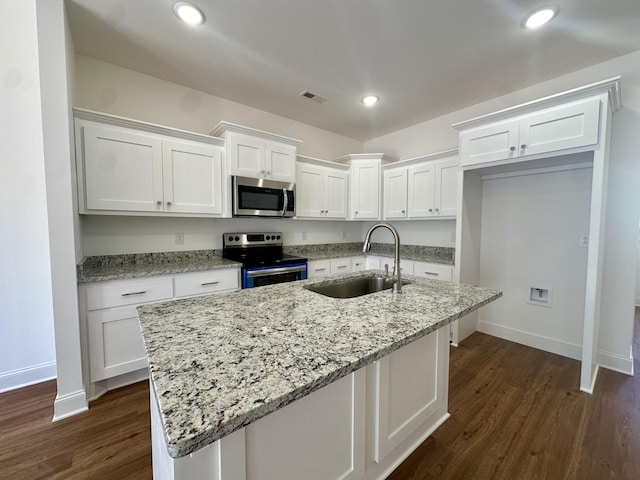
column 352, row 287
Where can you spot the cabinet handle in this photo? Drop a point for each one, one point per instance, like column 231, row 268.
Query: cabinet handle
column 403, row 211
column 158, row 202
column 209, row 283
column 431, row 209
column 523, row 146
column 342, row 266
column 431, row 273
column 320, row 269
column 134, row 293
column 512, row 148
column 169, row 204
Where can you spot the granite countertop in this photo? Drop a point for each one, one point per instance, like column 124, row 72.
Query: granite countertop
column 118, row 267
column 444, row 255
column 221, row 362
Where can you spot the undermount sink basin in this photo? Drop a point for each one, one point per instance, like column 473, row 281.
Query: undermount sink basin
column 352, row 287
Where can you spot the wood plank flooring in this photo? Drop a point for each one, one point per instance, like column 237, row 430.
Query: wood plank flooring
column 516, row 413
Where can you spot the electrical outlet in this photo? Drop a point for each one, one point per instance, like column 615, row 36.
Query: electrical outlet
column 179, row 238
column 584, row 240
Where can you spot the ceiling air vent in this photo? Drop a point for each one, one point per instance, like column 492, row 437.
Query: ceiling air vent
column 313, row 96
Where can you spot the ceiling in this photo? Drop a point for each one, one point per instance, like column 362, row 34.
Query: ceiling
column 423, row 58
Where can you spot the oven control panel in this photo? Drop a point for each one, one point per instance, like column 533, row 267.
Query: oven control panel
column 257, row 239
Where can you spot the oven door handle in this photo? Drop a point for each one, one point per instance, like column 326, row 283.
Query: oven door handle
column 286, row 201
column 275, row 271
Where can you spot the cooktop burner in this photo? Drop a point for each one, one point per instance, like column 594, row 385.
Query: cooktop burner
column 257, row 250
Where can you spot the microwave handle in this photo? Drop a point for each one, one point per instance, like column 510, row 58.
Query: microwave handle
column 286, row 201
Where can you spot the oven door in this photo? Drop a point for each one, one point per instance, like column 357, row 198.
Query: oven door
column 263, row 198
column 257, row 277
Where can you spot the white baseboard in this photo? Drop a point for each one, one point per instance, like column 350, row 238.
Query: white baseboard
column 547, row 344
column 69, row 404
column 24, row 377
column 617, row 363
column 98, row 389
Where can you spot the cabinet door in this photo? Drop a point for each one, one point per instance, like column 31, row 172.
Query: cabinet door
column 192, row 177
column 446, row 183
column 358, row 264
column 395, row 193
column 122, row 169
column 309, row 190
column 372, row 263
column 498, row 141
column 204, row 283
column 410, row 391
column 568, row 126
column 365, row 193
column 246, row 156
column 336, row 193
column 115, row 343
column 280, row 162
column 406, row 267
column 421, row 192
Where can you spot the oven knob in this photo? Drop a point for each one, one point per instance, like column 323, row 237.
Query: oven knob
column 278, row 237
column 237, row 238
column 231, row 239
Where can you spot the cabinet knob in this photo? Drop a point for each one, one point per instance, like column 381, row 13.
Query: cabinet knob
column 431, row 209
column 268, row 172
column 356, row 212
column 263, row 172
column 437, row 210
column 512, row 148
column 523, row 146
column 158, row 202
column 403, row 211
column 169, row 203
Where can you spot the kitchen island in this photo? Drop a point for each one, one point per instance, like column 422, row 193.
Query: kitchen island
column 281, row 382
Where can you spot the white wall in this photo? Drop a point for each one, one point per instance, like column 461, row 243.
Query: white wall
column 432, row 233
column 27, row 350
column 531, row 226
column 623, row 202
column 110, row 235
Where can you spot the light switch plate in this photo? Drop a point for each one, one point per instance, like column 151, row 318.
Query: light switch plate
column 584, row 241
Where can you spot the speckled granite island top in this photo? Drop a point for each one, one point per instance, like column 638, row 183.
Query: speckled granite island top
column 221, row 362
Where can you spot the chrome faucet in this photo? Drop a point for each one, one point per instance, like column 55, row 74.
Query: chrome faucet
column 396, row 278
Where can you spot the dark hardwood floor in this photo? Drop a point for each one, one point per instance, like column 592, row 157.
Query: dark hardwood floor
column 516, row 413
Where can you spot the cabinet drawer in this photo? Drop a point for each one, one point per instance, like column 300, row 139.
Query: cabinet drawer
column 436, row 271
column 340, row 265
column 318, row 268
column 207, row 282
column 128, row 292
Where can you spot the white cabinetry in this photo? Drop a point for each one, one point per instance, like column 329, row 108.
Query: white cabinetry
column 365, row 184
column 115, row 345
column 358, row 264
column 340, row 265
column 422, row 187
column 564, row 127
column 436, row 271
column 318, row 268
column 321, row 189
column 257, row 154
column 401, row 402
column 126, row 167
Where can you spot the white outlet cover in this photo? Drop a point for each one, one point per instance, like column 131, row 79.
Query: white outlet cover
column 584, row 240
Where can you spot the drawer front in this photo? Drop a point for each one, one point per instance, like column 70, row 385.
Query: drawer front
column 211, row 281
column 128, row 292
column 433, row 270
column 340, row 265
column 318, row 268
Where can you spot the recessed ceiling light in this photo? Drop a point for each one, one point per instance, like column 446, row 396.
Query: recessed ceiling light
column 370, row 100
column 539, row 17
column 188, row 13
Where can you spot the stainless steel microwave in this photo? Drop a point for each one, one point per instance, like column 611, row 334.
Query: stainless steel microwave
column 258, row 197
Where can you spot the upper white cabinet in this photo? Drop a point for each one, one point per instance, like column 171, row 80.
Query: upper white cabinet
column 321, row 189
column 130, row 168
column 365, row 184
column 257, row 154
column 423, row 187
column 562, row 127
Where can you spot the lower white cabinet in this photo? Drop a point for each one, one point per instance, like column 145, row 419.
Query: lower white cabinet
column 318, row 268
column 358, row 264
column 436, row 271
column 114, row 339
column 340, row 265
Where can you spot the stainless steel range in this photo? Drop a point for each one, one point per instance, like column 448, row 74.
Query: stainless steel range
column 262, row 258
